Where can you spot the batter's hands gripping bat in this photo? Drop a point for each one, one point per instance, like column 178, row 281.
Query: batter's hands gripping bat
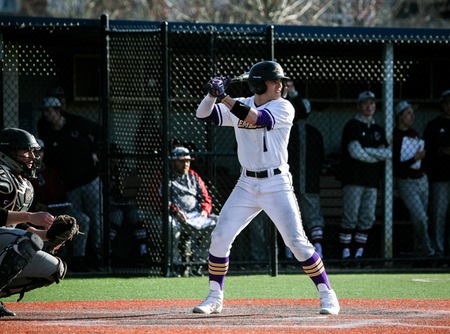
column 241, row 78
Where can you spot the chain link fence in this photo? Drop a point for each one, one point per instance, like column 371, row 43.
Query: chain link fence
column 142, row 82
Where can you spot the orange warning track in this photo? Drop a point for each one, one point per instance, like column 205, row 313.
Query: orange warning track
column 239, row 316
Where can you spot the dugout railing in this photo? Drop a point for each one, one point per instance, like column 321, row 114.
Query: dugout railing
column 143, row 80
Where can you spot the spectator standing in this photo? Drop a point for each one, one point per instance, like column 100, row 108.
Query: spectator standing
column 409, row 173
column 306, row 157
column 191, row 206
column 71, row 148
column 23, row 264
column 437, row 145
column 364, row 150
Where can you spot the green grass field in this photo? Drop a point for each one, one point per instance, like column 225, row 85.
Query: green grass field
column 372, row 286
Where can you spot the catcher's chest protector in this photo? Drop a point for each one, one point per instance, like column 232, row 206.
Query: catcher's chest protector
column 21, row 192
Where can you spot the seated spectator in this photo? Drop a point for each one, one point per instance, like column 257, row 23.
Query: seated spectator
column 190, row 207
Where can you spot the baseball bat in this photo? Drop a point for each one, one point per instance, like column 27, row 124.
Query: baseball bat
column 241, row 78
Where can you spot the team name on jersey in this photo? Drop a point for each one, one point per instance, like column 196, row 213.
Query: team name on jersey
column 245, row 125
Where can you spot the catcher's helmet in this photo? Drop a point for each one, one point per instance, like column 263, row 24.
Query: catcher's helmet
column 12, row 140
column 264, row 71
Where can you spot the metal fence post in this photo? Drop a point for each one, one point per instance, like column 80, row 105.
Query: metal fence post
column 103, row 138
column 272, row 229
column 166, row 227
column 388, row 92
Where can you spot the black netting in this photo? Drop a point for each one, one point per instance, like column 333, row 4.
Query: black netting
column 142, row 81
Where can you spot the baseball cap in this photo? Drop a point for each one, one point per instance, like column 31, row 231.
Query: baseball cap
column 366, row 96
column 50, row 102
column 402, row 105
column 181, row 153
column 57, row 91
column 445, row 95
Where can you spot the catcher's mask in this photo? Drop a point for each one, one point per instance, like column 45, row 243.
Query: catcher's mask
column 266, row 71
column 12, row 140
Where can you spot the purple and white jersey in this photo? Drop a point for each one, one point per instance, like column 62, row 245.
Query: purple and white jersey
column 260, row 147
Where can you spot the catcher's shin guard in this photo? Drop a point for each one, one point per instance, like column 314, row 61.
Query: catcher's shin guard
column 24, row 284
column 17, row 255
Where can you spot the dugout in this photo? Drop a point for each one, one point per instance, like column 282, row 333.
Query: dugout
column 143, row 80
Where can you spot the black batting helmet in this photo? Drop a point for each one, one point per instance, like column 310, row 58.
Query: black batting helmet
column 264, row 71
column 12, row 140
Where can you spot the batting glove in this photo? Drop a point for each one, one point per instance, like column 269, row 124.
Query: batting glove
column 218, row 87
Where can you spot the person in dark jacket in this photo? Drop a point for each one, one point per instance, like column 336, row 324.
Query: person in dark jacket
column 364, row 150
column 71, row 148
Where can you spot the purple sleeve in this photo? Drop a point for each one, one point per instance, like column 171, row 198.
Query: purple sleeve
column 265, row 118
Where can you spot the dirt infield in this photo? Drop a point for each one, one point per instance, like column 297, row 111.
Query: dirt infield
column 238, row 316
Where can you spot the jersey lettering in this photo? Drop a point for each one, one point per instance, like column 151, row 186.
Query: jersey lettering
column 245, row 125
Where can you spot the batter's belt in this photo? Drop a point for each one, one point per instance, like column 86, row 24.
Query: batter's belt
column 262, row 174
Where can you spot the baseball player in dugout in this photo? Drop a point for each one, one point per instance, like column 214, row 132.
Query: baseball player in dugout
column 364, row 150
column 23, row 264
column 410, row 175
column 262, row 124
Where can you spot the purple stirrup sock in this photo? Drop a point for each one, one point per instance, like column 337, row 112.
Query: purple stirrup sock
column 315, row 269
column 218, row 268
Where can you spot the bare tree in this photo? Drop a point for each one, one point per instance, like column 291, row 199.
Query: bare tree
column 386, row 13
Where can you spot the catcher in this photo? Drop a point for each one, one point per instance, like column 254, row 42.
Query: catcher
column 24, row 265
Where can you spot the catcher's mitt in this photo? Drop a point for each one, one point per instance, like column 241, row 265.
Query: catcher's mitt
column 64, row 228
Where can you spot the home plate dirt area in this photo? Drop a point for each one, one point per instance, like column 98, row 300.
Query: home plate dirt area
column 239, row 316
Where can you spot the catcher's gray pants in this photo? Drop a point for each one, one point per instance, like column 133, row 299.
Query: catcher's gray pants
column 43, row 265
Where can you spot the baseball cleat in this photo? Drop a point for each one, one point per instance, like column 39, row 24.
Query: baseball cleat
column 211, row 305
column 329, row 303
column 5, row 312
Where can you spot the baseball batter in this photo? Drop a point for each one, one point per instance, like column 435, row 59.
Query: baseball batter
column 262, row 125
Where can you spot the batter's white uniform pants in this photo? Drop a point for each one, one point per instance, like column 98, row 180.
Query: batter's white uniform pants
column 276, row 197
